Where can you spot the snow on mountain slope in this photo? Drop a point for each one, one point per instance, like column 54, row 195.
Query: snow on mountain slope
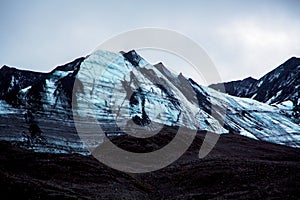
column 142, row 93
column 127, row 79
column 257, row 120
column 123, row 91
column 5, row 108
column 43, row 99
column 254, row 119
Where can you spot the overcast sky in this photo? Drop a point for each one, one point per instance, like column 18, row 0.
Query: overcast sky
column 243, row 38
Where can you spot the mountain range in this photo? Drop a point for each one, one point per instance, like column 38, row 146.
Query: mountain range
column 123, row 88
column 279, row 85
column 44, row 156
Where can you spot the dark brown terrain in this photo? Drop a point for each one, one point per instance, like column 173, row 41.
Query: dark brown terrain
column 237, row 168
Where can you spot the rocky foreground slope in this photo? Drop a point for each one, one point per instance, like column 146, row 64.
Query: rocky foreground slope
column 237, row 168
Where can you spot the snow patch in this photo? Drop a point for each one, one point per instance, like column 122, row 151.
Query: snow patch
column 25, row 90
column 6, row 108
column 247, row 134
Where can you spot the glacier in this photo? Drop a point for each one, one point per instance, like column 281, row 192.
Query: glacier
column 126, row 94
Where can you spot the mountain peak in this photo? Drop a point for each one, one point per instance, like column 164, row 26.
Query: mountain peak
column 132, row 57
column 70, row 66
column 6, row 68
column 279, row 85
column 291, row 63
column 293, row 58
column 250, row 79
column 159, row 63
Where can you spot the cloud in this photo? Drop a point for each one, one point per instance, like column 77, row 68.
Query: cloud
column 253, row 47
column 242, row 38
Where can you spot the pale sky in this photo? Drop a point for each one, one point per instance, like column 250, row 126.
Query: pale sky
column 243, row 38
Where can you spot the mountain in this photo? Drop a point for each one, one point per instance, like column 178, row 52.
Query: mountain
column 42, row 155
column 240, row 88
column 279, row 85
column 29, row 98
column 121, row 91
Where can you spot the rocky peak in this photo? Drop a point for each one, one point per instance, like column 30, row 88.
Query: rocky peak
column 132, row 57
column 279, row 85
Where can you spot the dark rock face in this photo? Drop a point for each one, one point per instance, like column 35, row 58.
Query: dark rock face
column 241, row 88
column 34, row 97
column 281, row 84
column 43, row 101
column 13, row 80
column 132, row 57
column 136, row 98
